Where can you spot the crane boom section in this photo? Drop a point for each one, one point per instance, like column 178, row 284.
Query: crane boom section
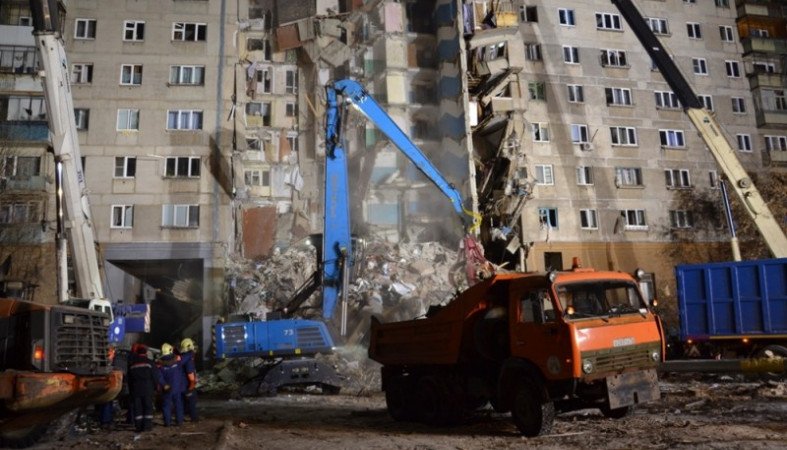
column 710, row 131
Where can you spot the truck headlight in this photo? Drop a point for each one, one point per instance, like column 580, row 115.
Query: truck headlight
column 587, row 365
column 68, row 319
column 655, row 355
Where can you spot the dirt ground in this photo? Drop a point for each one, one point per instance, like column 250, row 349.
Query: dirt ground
column 694, row 413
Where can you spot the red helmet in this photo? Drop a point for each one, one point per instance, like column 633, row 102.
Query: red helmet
column 141, row 349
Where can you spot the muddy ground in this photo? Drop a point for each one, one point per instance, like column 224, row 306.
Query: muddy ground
column 694, row 413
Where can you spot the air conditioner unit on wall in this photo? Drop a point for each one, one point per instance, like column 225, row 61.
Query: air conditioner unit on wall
column 586, row 146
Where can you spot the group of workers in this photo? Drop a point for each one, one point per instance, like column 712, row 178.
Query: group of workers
column 173, row 375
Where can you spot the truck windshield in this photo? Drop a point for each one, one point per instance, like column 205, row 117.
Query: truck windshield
column 600, row 299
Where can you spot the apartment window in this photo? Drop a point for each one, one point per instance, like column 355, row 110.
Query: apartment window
column 182, row 167
column 723, row 3
column 658, row 25
column 190, row 75
column 764, row 67
column 82, row 118
column 184, row 119
column 618, row 96
column 261, row 110
column 544, row 174
column 180, row 216
column 128, row 119
column 635, row 219
column 192, row 32
column 133, row 30
column 700, row 66
column 713, row 179
column 20, row 167
column 613, row 58
column 570, row 54
column 744, row 142
column 81, row 73
column 677, row 178
column 666, row 100
column 533, row 52
column 528, row 13
column 537, row 90
column 588, row 219
column 26, row 109
column 257, row 177
column 575, row 93
column 738, row 105
column 707, row 101
column 259, row 44
column 292, row 139
column 566, row 17
column 19, row 213
column 759, row 33
column 680, row 218
column 122, row 216
column 131, row 74
column 671, row 138
column 85, row 29
column 125, row 166
column 540, row 131
column 733, row 69
column 290, row 82
column 628, row 176
column 623, row 135
column 264, row 78
column 547, row 217
column 584, row 175
column 776, row 143
column 607, row 21
column 579, row 133
column 290, row 109
column 693, row 30
column 726, row 34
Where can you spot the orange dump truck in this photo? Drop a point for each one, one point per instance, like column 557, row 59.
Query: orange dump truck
column 531, row 344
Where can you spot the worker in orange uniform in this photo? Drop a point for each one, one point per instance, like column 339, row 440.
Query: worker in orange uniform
column 187, row 360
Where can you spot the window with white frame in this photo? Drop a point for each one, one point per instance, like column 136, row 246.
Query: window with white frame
column 125, row 166
column 706, row 100
column 566, row 17
column 759, row 33
column 744, row 142
column 533, row 51
column 584, row 175
column 570, row 54
column 20, row 167
column 255, row 44
column 713, row 179
column 528, row 13
column 290, row 82
column 658, row 25
column 85, row 29
column 128, row 119
column 19, row 212
column 613, row 58
column 680, row 218
column 290, row 109
column 575, row 93
column 134, row 30
column 131, row 74
column 537, row 90
column 579, row 133
column 262, row 110
column 544, row 174
column 694, row 31
column 26, row 109
column 618, row 96
column 773, row 100
column 635, row 219
column 264, row 78
column 666, row 100
column 672, row 138
column 257, row 177
column 733, row 68
column 623, row 135
column 81, row 73
column 628, row 176
column 122, row 216
column 82, row 118
column 547, row 217
column 187, row 31
column 182, row 167
column 738, row 105
column 253, row 143
column 184, row 119
column 180, row 216
column 700, row 66
column 677, row 178
column 608, row 21
column 726, row 33
column 722, row 3
column 292, row 139
column 764, row 67
column 540, row 131
column 775, row 143
column 187, row 75
column 588, row 219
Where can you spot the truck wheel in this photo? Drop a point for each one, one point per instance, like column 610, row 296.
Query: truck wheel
column 432, row 397
column 615, row 413
column 770, row 352
column 398, row 400
column 24, row 437
column 532, row 415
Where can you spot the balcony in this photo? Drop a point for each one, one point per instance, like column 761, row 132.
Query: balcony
column 778, row 157
column 32, row 183
column 30, row 131
column 774, row 119
column 767, row 80
column 763, row 45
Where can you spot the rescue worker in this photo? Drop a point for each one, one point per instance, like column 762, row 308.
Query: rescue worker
column 187, row 355
column 174, row 384
column 142, row 381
